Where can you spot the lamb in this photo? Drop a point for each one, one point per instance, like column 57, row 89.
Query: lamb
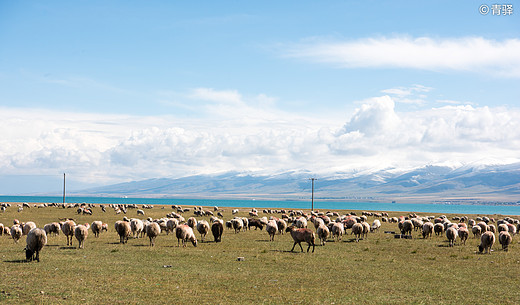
column 427, row 229
column 271, row 229
column 504, row 238
column 137, row 227
column 36, row 239
column 323, row 234
column 81, row 233
column 357, row 230
column 337, row 231
column 216, row 229
column 451, row 234
column 68, row 230
column 464, row 234
column 96, row 226
column 487, row 239
column 28, row 227
column 123, row 229
column 185, row 233
column 203, row 228
column 16, row 233
column 300, row 235
column 152, row 231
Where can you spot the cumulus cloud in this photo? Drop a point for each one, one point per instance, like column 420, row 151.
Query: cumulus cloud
column 111, row 148
column 475, row 54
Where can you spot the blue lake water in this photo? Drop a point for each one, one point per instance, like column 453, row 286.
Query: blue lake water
column 319, row 205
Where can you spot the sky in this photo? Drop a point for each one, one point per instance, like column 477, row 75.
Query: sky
column 116, row 91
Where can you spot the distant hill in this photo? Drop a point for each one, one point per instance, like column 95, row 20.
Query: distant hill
column 428, row 183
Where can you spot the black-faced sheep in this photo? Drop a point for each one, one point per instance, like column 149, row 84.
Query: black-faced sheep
column 171, row 224
column 192, row 222
column 504, row 238
column 81, row 233
column 487, row 239
column 300, row 235
column 185, row 233
column 375, row 225
column 217, row 229
column 255, row 223
column 152, row 231
column 36, row 239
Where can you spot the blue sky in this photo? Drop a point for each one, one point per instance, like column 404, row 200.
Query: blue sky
column 126, row 90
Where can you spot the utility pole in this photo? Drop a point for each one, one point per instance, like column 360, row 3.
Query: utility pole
column 63, row 187
column 312, row 198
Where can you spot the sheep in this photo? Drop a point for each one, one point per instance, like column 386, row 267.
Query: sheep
column 68, row 230
column 417, row 223
column 216, row 229
column 137, row 227
column 185, row 233
column 407, row 227
column 366, row 229
column 504, row 238
column 152, row 231
column 427, row 229
column 271, row 229
column 511, row 229
column 171, row 224
column 192, row 222
column 492, row 228
column 245, row 223
column 357, row 230
column 451, row 234
column 1, row 229
column 487, row 239
column 302, row 234
column 463, row 234
column 323, row 233
column 255, row 223
column 16, row 233
column 96, row 227
column 375, row 225
column 483, row 226
column 438, row 228
column 203, row 228
column 282, row 225
column 237, row 224
column 36, row 239
column 81, row 233
column 123, row 229
column 337, row 231
column 140, row 212
column 28, row 227
column 53, row 227
column 476, row 230
column 300, row 222
column 502, row 227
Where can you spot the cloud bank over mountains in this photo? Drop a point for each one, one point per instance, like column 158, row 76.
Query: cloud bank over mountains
column 250, row 134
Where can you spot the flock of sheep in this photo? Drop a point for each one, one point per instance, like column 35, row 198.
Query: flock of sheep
column 327, row 225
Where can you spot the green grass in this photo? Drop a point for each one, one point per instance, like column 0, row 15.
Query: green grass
column 378, row 270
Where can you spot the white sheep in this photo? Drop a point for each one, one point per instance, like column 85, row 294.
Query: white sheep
column 476, row 230
column 463, row 234
column 337, row 230
column 28, row 227
column 16, row 233
column 504, row 238
column 53, row 228
column 185, row 233
column 171, row 224
column 123, row 229
column 96, row 227
column 203, row 228
column 487, row 239
column 282, row 225
column 357, row 230
column 68, row 230
column 137, row 227
column 451, row 234
column 192, row 222
column 81, row 233
column 323, row 233
column 36, row 239
column 376, row 224
column 152, row 231
column 271, row 228
column 237, row 224
column 427, row 229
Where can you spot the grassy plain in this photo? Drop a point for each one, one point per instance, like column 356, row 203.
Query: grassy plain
column 378, row 270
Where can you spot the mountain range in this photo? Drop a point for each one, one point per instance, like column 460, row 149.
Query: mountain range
column 469, row 184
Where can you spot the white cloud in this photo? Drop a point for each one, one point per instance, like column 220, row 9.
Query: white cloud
column 475, row 54
column 113, row 148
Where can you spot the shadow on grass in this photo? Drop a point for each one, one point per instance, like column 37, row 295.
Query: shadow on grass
column 262, row 240
column 67, row 247
column 51, row 245
column 350, row 240
column 113, row 243
column 287, row 251
column 17, row 261
column 141, row 245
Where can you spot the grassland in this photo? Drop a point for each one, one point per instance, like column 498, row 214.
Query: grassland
column 378, row 270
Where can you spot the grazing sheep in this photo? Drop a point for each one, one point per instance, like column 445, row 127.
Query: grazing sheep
column 427, row 229
column 123, row 229
column 511, row 229
column 171, row 224
column 337, row 231
column 28, row 227
column 217, row 228
column 140, row 212
column 81, row 233
column 463, row 234
column 407, row 227
column 502, row 227
column 53, row 228
column 504, row 238
column 185, row 233
column 192, row 222
column 366, row 229
column 96, row 227
column 417, row 223
column 203, row 228
column 255, row 223
column 16, row 232
column 300, row 235
column 300, row 222
column 282, row 225
column 237, row 224
column 137, row 227
column 152, row 231
column 245, row 223
column 357, row 230
column 483, row 226
column 438, row 228
column 68, row 230
column 271, row 229
column 375, row 225
column 492, row 228
column 451, row 234
column 36, row 239
column 323, row 234
column 476, row 230
column 487, row 239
